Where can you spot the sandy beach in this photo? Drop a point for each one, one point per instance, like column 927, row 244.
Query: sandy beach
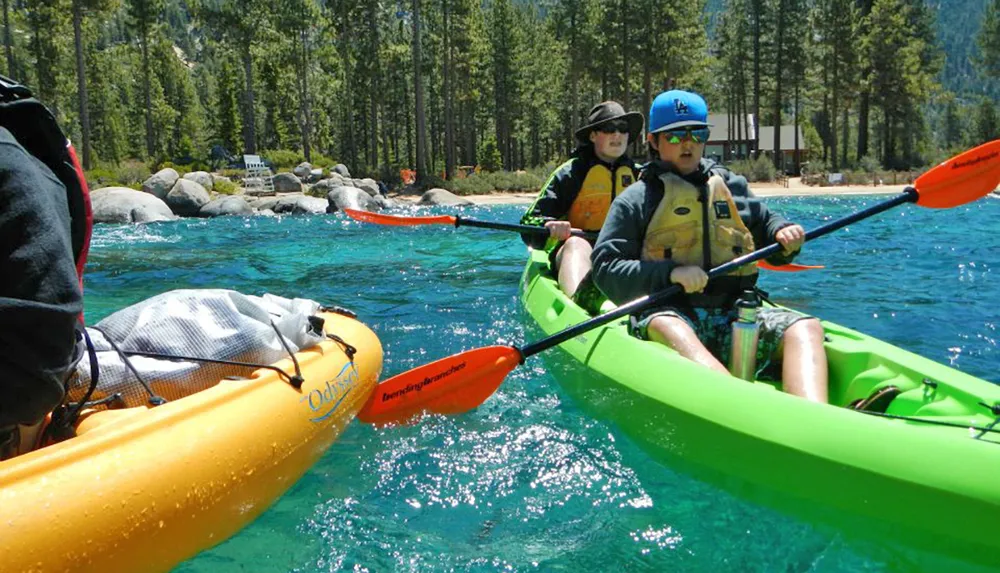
column 794, row 188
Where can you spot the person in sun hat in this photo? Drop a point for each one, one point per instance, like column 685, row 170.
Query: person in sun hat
column 685, row 216
column 579, row 192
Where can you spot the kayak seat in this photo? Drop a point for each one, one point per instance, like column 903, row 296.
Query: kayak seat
column 874, row 389
column 923, row 402
column 878, row 401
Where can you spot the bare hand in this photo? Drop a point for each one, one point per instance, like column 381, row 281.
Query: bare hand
column 559, row 230
column 791, row 238
column 692, row 278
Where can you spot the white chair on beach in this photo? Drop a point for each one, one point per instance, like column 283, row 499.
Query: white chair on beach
column 258, row 178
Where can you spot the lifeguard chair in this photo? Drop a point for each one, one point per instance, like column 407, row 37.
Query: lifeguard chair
column 258, row 178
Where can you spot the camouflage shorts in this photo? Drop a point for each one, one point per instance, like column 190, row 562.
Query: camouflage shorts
column 714, row 329
column 588, row 296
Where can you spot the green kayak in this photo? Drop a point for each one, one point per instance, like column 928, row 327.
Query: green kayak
column 926, row 473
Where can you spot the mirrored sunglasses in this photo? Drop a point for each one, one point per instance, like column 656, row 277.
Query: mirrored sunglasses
column 620, row 125
column 699, row 135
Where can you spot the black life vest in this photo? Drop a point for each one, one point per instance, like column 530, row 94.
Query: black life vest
column 35, row 128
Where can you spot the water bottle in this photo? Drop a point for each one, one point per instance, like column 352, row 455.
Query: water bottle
column 743, row 357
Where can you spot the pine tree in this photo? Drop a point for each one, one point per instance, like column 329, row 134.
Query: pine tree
column 505, row 44
column 836, row 23
column 227, row 128
column 953, row 130
column 573, row 23
column 418, row 98
column 145, row 14
column 46, row 18
column 904, row 59
column 986, row 126
column 108, row 102
column 295, row 21
column 988, row 40
column 240, row 23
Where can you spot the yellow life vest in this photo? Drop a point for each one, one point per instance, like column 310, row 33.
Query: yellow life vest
column 677, row 228
column 598, row 189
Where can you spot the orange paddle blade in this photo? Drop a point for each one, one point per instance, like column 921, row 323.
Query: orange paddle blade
column 451, row 385
column 961, row 179
column 787, row 268
column 397, row 221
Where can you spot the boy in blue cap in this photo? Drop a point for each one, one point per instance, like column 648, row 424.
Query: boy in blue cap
column 685, row 216
column 579, row 192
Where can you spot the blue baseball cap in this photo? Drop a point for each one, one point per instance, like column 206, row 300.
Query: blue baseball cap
column 677, row 108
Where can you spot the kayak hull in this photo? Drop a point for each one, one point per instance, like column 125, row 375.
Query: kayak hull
column 142, row 489
column 867, row 475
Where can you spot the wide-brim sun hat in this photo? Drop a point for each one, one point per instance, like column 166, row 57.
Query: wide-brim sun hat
column 675, row 109
column 609, row 111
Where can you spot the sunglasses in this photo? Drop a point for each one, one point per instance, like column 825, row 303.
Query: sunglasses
column 621, row 126
column 699, row 135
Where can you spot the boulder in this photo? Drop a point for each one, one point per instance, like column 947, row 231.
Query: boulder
column 439, row 196
column 224, row 206
column 300, row 205
column 350, row 198
column 160, row 183
column 186, row 198
column 254, row 186
column 341, row 170
column 323, row 187
column 264, row 204
column 124, row 205
column 302, row 170
column 338, row 180
column 202, row 178
column 367, row 185
column 287, row 183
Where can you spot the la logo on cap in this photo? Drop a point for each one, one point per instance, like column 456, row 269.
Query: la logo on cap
column 680, row 107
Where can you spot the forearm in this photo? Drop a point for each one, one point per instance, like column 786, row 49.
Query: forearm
column 618, row 268
column 625, row 279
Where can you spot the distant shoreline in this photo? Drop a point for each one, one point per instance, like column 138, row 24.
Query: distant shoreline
column 761, row 190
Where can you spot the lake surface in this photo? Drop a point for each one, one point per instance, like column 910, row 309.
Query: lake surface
column 529, row 481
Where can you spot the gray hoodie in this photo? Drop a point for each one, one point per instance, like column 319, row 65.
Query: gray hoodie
column 619, row 270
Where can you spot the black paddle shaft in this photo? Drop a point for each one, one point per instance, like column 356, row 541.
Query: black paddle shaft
column 532, row 229
column 909, row 195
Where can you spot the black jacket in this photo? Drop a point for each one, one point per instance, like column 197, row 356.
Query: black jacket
column 40, row 295
column 560, row 190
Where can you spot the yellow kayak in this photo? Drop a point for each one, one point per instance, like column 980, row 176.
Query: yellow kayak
column 142, row 489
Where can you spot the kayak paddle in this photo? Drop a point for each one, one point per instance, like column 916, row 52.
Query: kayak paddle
column 465, row 380
column 788, row 267
column 399, row 221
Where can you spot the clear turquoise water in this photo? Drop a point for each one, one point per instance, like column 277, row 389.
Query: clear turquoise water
column 530, row 481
